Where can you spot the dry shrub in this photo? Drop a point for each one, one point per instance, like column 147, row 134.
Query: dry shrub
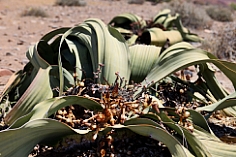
column 34, row 11
column 223, row 43
column 232, row 5
column 158, row 1
column 192, row 15
column 71, row 2
column 136, row 1
column 223, row 14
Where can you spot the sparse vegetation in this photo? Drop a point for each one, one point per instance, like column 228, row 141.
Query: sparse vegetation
column 96, row 89
column 222, row 14
column 136, row 1
column 223, row 43
column 71, row 2
column 35, row 11
column 158, row 1
column 164, row 28
column 104, row 94
column 191, row 15
column 233, row 6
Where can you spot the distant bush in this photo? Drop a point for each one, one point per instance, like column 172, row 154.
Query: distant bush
column 136, row 1
column 233, row 6
column 142, row 1
column 222, row 14
column 191, row 15
column 71, row 2
column 158, row 1
column 33, row 11
column 223, row 43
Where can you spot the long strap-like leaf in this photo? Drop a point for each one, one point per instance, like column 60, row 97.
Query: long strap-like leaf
column 38, row 90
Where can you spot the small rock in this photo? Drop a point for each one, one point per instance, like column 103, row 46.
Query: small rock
column 9, row 54
column 32, row 43
column 191, row 68
column 20, row 42
column 210, row 31
column 72, row 21
column 2, row 27
column 63, row 13
column 24, row 61
column 16, row 49
column 53, row 26
column 5, row 72
column 33, row 21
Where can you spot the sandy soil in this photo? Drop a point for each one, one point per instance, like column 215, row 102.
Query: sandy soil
column 19, row 33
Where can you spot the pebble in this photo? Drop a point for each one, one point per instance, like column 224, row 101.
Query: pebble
column 33, row 21
column 53, row 26
column 16, row 49
column 9, row 54
column 2, row 27
column 20, row 42
column 24, row 61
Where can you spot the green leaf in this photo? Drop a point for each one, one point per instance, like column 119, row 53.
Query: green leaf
column 215, row 146
column 169, row 22
column 105, row 45
column 175, row 148
column 202, row 141
column 228, row 101
column 158, row 37
column 143, row 59
column 13, row 81
column 38, row 91
column 136, row 121
column 212, row 83
column 186, row 35
column 199, row 120
column 132, row 40
column 124, row 20
column 156, row 133
column 21, row 141
column 196, row 147
column 162, row 16
column 112, row 51
column 177, row 57
column 141, row 122
column 35, row 58
column 48, row 107
column 54, row 78
column 49, row 36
